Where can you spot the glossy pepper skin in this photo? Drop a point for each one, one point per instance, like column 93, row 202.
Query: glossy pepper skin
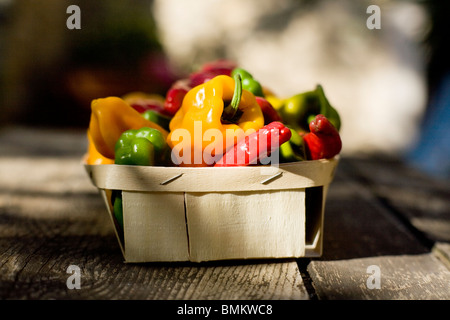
column 144, row 147
column 269, row 112
column 294, row 149
column 93, row 157
column 256, row 146
column 204, row 105
column 294, row 111
column 323, row 141
column 175, row 96
column 158, row 118
column 299, row 110
column 150, row 106
column 325, row 109
column 141, row 101
column 176, row 93
column 248, row 82
column 112, row 116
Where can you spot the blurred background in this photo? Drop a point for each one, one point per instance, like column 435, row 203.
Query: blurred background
column 391, row 85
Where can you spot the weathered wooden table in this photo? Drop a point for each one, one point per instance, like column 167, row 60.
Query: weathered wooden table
column 387, row 236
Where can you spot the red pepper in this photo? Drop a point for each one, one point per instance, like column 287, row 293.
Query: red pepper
column 178, row 90
column 323, row 141
column 175, row 96
column 222, row 65
column 142, row 102
column 269, row 112
column 254, row 148
column 142, row 105
column 210, row 70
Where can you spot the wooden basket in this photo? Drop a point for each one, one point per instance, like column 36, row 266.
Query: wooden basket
column 203, row 214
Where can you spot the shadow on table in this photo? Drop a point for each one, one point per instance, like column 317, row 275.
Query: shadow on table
column 361, row 222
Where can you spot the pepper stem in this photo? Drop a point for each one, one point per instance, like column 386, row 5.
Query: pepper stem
column 230, row 111
column 237, row 95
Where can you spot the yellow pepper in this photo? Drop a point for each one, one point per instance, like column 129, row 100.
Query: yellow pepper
column 203, row 109
column 93, row 156
column 275, row 101
column 112, row 116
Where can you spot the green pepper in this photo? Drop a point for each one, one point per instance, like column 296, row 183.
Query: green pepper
column 299, row 110
column 295, row 109
column 145, row 147
column 118, row 206
column 248, row 82
column 158, row 118
column 325, row 109
column 294, row 149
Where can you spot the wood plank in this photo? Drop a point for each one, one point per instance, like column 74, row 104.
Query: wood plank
column 357, row 225
column 442, row 251
column 403, row 277
column 18, row 142
column 423, row 202
column 361, row 231
column 36, row 269
column 51, row 217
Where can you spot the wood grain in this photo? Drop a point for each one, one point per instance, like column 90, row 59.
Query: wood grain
column 360, row 231
column 357, row 225
column 421, row 202
column 268, row 224
column 155, row 227
column 403, row 277
column 51, row 217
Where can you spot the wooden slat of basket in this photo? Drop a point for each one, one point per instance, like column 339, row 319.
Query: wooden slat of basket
column 246, row 225
column 154, row 227
column 182, row 179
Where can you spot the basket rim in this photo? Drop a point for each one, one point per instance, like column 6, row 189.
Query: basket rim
column 294, row 175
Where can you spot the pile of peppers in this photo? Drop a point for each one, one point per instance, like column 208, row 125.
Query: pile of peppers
column 143, row 128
